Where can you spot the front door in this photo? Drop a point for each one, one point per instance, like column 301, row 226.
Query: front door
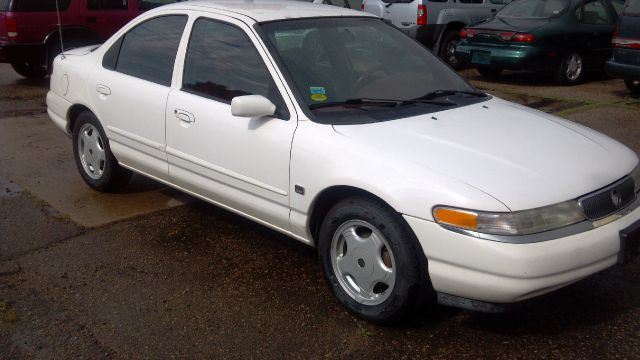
column 239, row 163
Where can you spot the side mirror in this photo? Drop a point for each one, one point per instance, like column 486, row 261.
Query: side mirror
column 252, row 106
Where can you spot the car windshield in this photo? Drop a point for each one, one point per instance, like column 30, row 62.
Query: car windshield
column 534, row 9
column 344, row 63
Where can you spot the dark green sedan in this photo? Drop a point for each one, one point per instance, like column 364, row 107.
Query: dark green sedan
column 564, row 37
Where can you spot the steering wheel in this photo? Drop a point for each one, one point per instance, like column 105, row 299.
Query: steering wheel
column 373, row 73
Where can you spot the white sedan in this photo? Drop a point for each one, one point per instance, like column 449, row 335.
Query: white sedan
column 336, row 129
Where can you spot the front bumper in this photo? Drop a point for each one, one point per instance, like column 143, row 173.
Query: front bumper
column 624, row 71
column 511, row 57
column 497, row 272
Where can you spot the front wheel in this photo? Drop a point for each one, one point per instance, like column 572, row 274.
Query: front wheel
column 633, row 85
column 28, row 70
column 571, row 69
column 448, row 49
column 97, row 165
column 372, row 261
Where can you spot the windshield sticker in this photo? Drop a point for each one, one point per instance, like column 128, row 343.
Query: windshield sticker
column 318, row 97
column 317, row 90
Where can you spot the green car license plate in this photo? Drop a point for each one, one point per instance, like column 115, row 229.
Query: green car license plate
column 630, row 243
column 481, row 57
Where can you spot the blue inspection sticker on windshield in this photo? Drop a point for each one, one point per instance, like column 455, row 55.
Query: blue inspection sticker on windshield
column 317, row 93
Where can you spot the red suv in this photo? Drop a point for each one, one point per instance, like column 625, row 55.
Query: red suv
column 29, row 36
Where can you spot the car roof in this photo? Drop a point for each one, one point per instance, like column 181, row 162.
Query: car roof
column 269, row 10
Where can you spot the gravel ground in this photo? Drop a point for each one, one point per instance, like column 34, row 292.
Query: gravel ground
column 195, row 281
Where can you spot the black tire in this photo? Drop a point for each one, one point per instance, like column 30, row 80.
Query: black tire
column 633, row 86
column 490, row 72
column 411, row 290
column 562, row 76
column 31, row 71
column 448, row 44
column 112, row 176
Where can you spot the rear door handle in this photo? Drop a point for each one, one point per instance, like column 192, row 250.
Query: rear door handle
column 184, row 115
column 103, row 89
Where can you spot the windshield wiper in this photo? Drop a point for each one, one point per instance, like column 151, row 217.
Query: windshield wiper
column 380, row 102
column 442, row 93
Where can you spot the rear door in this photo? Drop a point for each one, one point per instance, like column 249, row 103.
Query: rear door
column 596, row 19
column 129, row 92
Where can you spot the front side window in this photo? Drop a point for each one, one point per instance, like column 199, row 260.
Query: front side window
column 222, row 63
column 36, row 5
column 534, row 9
column 107, row 4
column 148, row 51
column 594, row 12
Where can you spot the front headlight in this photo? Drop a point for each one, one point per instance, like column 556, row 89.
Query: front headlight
column 512, row 223
column 635, row 174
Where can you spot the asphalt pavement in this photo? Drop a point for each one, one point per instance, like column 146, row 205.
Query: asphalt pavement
column 151, row 273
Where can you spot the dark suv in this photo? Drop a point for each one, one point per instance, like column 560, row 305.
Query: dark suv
column 29, row 36
column 626, row 47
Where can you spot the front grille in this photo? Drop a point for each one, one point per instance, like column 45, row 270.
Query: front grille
column 607, row 201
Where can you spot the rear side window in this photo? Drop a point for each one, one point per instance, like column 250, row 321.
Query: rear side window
column 35, row 5
column 4, row 5
column 150, row 4
column 148, row 51
column 594, row 12
column 632, row 8
column 107, row 4
column 471, row 1
column 222, row 63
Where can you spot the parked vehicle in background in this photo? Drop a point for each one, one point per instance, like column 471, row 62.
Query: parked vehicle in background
column 29, row 35
column 626, row 47
column 435, row 23
column 566, row 37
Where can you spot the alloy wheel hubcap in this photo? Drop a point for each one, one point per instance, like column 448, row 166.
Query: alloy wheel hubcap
column 574, row 66
column 91, row 151
column 363, row 262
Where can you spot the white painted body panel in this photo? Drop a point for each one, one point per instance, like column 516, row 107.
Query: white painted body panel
column 503, row 273
column 491, row 156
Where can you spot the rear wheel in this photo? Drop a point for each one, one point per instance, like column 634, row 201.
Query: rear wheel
column 97, row 165
column 571, row 69
column 490, row 72
column 633, row 85
column 28, row 70
column 448, row 48
column 372, row 260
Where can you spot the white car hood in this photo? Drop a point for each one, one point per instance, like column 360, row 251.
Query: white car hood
column 522, row 157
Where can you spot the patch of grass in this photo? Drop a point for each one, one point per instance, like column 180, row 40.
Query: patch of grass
column 7, row 314
column 363, row 331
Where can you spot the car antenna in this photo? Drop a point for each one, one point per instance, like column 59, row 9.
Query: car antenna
column 60, row 31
